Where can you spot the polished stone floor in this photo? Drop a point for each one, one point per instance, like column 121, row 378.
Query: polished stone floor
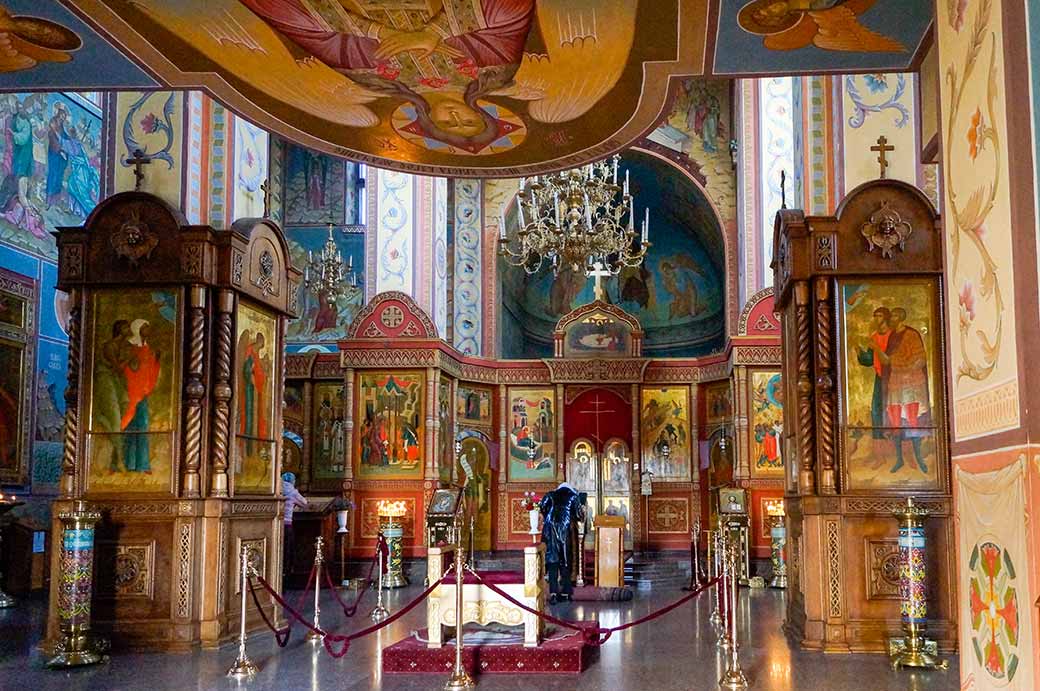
column 676, row 651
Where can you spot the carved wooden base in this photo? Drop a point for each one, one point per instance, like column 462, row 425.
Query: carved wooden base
column 167, row 570
column 843, row 573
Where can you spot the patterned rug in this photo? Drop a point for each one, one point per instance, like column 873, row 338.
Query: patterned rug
column 492, row 651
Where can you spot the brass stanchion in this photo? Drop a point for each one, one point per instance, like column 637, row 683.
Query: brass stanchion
column 243, row 667
column 580, row 581
column 380, row 612
column 913, row 650
column 695, row 557
column 725, row 640
column 734, row 678
column 459, row 680
column 78, row 646
column 713, row 572
column 319, row 560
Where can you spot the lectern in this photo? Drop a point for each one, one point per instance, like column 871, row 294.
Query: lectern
column 610, row 543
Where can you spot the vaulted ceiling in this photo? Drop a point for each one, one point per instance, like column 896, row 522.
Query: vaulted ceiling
column 457, row 87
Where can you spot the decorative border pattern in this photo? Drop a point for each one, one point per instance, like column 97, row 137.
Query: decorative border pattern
column 468, row 267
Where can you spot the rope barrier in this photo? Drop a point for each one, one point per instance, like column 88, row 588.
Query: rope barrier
column 585, row 630
column 281, row 636
column 351, row 610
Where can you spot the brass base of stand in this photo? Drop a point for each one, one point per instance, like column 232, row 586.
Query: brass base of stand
column 723, row 643
column 779, row 581
column 460, row 682
column 379, row 614
column 314, row 636
column 79, row 649
column 243, row 668
column 733, row 679
column 394, row 579
column 916, row 652
column 6, row 600
column 716, row 619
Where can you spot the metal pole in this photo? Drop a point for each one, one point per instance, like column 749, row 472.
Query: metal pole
column 459, row 680
column 695, row 576
column 319, row 559
column 243, row 667
column 580, row 582
column 713, row 572
column 724, row 641
column 380, row 612
column 734, row 678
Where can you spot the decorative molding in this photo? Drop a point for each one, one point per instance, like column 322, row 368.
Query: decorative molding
column 758, row 355
column 749, row 306
column 882, row 564
column 127, row 569
column 392, row 314
column 886, row 230
column 184, row 568
column 885, row 506
column 238, row 262
column 222, row 564
column 469, row 269
column 826, row 251
column 256, row 557
column 834, row 588
column 668, row 515
column 135, row 509
column 616, row 370
column 254, row 507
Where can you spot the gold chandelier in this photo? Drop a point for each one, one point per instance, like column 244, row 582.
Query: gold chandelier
column 327, row 276
column 579, row 218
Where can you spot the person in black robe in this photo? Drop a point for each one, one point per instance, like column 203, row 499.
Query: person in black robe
column 561, row 511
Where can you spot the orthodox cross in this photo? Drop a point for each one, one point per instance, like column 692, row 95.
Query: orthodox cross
column 882, row 148
column 139, row 159
column 783, row 188
column 598, row 273
column 596, row 403
column 266, row 189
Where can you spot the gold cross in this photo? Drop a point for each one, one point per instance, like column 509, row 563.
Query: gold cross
column 139, row 159
column 882, row 147
column 598, row 273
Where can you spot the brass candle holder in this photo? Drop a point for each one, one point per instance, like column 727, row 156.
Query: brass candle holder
column 390, row 515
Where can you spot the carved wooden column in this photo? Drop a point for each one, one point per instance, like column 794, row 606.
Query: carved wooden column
column 71, row 445
column 348, row 423
column 695, row 451
column 825, row 399
column 807, row 471
column 432, row 422
column 561, row 443
column 742, row 466
column 194, row 390
column 221, row 440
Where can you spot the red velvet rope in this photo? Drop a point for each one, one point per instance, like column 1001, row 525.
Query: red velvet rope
column 281, row 636
column 586, row 630
column 351, row 610
column 329, row 639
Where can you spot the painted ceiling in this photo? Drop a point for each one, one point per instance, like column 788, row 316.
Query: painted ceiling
column 469, row 87
column 44, row 46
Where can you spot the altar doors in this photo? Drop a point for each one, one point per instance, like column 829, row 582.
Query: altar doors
column 478, row 488
column 605, row 474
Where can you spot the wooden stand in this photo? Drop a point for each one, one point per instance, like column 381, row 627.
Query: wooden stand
column 610, row 552
column 173, row 416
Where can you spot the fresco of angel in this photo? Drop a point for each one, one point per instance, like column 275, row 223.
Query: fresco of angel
column 827, row 24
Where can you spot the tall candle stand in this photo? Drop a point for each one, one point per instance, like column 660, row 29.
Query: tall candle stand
column 778, row 539
column 243, row 667
column 79, row 645
column 713, row 571
column 913, row 649
column 580, row 581
column 460, row 680
column 380, row 612
column 695, row 557
column 390, row 515
column 315, row 635
column 734, row 678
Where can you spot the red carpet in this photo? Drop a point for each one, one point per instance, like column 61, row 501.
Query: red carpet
column 561, row 654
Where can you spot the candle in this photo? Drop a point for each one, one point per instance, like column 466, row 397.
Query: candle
column 646, row 224
column 310, row 256
column 556, row 206
column 519, row 216
column 626, row 183
column 614, row 181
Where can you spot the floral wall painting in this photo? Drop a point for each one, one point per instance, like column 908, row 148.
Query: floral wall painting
column 250, row 170
column 981, row 312
column 256, row 347
column 767, row 424
column 315, row 187
column 328, row 446
column 133, row 401
column 532, row 435
column 664, row 427
column 891, row 404
column 50, row 162
column 151, row 122
column 880, row 105
column 473, row 406
column 389, row 425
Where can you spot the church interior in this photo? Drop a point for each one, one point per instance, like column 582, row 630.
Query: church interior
column 694, row 334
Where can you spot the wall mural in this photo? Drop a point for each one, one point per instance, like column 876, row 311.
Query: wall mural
column 677, row 293
column 599, row 334
column 50, row 162
column 474, row 85
column 133, row 404
column 718, row 402
column 876, row 105
column 664, row 428
column 250, row 170
column 328, row 447
column 255, row 460
column 446, row 438
column 767, row 424
column 532, row 435
column 324, row 318
column 152, row 122
column 389, row 425
column 476, row 476
column 892, row 364
column 315, row 187
column 980, row 283
column 770, row 36
column 473, row 406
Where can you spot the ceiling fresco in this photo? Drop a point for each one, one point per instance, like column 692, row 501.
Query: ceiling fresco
column 772, row 37
column 489, row 88
column 44, row 46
